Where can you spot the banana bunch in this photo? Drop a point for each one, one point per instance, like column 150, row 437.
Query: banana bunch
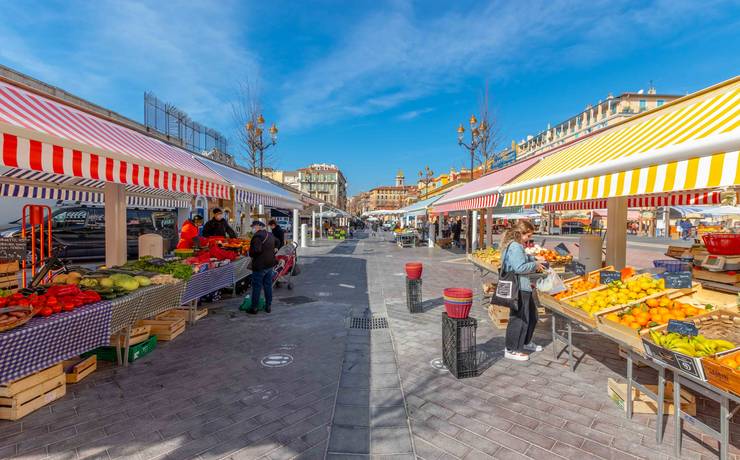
column 696, row 346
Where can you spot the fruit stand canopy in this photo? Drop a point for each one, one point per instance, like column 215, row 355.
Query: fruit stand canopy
column 483, row 192
column 253, row 190
column 689, row 144
column 420, row 207
column 38, row 133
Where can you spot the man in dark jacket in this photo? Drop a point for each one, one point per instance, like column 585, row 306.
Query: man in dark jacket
column 218, row 226
column 278, row 233
column 262, row 252
column 456, row 230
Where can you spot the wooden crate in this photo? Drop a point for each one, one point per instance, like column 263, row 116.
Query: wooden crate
column 183, row 313
column 165, row 329
column 138, row 334
column 499, row 316
column 643, row 404
column 732, row 278
column 722, row 376
column 23, row 396
column 78, row 369
column 9, row 275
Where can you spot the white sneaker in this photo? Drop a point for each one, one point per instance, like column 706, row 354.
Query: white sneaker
column 515, row 355
column 533, row 347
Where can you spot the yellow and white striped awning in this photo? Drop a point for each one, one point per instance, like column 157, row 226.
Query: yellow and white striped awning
column 689, row 144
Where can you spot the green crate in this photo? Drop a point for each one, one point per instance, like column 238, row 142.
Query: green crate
column 135, row 352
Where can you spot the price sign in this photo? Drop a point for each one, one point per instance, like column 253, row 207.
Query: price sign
column 678, row 280
column 682, row 327
column 607, row 276
column 576, row 268
column 13, row 248
column 562, row 250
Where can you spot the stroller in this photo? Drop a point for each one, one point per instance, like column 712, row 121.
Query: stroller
column 286, row 268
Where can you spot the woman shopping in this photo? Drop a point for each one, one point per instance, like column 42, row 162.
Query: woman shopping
column 523, row 315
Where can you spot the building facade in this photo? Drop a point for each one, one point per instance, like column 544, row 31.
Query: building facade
column 359, row 204
column 325, row 182
column 289, row 178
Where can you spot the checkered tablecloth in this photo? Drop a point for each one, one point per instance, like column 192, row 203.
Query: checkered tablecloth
column 207, row 282
column 43, row 342
column 240, row 269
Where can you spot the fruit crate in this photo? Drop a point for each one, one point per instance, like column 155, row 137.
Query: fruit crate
column 722, row 376
column 414, row 296
column 138, row 334
column 25, row 395
column 711, row 325
column 79, row 368
column 165, row 328
column 644, row 404
column 9, row 275
column 183, row 313
column 697, row 297
column 459, row 351
column 499, row 316
column 137, row 351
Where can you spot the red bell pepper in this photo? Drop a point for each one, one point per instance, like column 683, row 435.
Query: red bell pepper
column 64, row 290
column 46, row 311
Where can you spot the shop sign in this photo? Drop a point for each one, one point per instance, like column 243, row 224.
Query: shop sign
column 13, row 249
column 562, row 250
column 576, row 267
column 677, row 280
column 682, row 327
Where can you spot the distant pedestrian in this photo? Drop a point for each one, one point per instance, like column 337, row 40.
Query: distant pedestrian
column 456, row 231
column 277, row 232
column 262, row 252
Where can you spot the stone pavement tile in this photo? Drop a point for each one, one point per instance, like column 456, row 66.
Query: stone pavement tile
column 44, row 439
column 388, row 416
column 361, row 381
column 478, row 442
column 425, row 450
column 380, row 381
column 539, row 453
column 589, row 433
column 191, row 449
column 349, row 440
column 331, row 456
column 352, row 415
column 559, row 435
column 314, row 453
column 533, row 437
column 443, row 426
column 439, row 440
column 568, row 451
column 437, row 410
column 391, row 440
column 353, row 397
column 386, row 397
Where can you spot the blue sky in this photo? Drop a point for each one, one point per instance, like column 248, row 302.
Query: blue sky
column 372, row 86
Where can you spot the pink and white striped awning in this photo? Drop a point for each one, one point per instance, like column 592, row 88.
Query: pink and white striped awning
column 479, row 202
column 40, row 134
column 647, row 201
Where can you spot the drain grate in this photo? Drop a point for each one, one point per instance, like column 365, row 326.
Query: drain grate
column 297, row 300
column 379, row 322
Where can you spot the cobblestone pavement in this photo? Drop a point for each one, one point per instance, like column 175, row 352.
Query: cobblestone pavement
column 329, row 390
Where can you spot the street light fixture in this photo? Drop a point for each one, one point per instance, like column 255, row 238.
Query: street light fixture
column 426, row 177
column 478, row 133
column 255, row 132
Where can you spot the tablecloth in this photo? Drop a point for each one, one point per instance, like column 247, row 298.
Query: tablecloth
column 43, row 342
column 209, row 281
column 240, row 269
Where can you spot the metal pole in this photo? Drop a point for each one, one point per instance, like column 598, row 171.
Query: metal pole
column 313, row 225
column 321, row 224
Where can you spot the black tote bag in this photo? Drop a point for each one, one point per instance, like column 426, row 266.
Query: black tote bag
column 507, row 289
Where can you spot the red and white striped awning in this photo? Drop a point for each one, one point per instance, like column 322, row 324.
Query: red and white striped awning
column 479, row 202
column 41, row 134
column 647, row 201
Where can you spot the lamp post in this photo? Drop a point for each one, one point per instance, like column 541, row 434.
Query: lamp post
column 426, row 177
column 477, row 134
column 255, row 137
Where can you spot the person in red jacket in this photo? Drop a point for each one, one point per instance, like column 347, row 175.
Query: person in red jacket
column 189, row 232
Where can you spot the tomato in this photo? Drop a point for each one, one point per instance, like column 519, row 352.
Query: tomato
column 51, row 300
column 56, row 308
column 16, row 296
column 46, row 311
column 68, row 307
column 3, row 301
column 23, row 303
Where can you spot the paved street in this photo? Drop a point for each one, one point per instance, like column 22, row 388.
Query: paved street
column 309, row 382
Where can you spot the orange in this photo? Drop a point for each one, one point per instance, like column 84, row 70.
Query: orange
column 635, row 326
column 628, row 319
column 654, row 311
column 679, row 316
column 652, row 303
column 691, row 311
column 643, row 320
column 663, row 311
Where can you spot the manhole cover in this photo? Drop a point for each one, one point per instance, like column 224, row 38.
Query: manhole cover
column 297, row 300
column 438, row 364
column 277, row 360
column 379, row 322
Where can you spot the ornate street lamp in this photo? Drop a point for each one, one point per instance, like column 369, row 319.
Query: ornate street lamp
column 255, row 138
column 426, row 177
column 478, row 133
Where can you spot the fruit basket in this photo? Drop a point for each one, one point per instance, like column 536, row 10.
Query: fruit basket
column 15, row 316
column 725, row 244
column 625, row 324
column 458, row 302
column 723, row 370
column 718, row 332
column 672, row 266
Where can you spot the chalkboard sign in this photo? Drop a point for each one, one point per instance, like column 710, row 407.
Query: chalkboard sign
column 562, row 250
column 682, row 327
column 677, row 280
column 576, row 268
column 13, row 248
column 607, row 276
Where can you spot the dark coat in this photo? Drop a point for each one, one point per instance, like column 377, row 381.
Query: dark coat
column 279, row 233
column 218, row 228
column 262, row 250
column 456, row 230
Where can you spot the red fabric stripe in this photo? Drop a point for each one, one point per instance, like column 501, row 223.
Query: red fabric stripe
column 58, row 159
column 10, row 151
column 166, row 180
column 135, row 173
column 94, row 165
column 147, row 171
column 122, row 172
column 34, row 159
column 156, row 178
column 76, row 163
column 109, row 170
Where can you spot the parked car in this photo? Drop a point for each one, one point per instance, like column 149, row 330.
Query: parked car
column 571, row 227
column 81, row 229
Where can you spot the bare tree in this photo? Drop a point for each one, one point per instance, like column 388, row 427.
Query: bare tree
column 489, row 133
column 245, row 110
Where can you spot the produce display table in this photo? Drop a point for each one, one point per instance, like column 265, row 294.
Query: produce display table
column 206, row 282
column 483, row 268
column 241, row 270
column 406, row 240
column 45, row 341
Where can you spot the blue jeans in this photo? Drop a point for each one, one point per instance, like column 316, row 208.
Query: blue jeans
column 262, row 279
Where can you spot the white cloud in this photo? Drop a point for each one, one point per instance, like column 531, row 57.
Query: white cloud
column 403, row 53
column 411, row 114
